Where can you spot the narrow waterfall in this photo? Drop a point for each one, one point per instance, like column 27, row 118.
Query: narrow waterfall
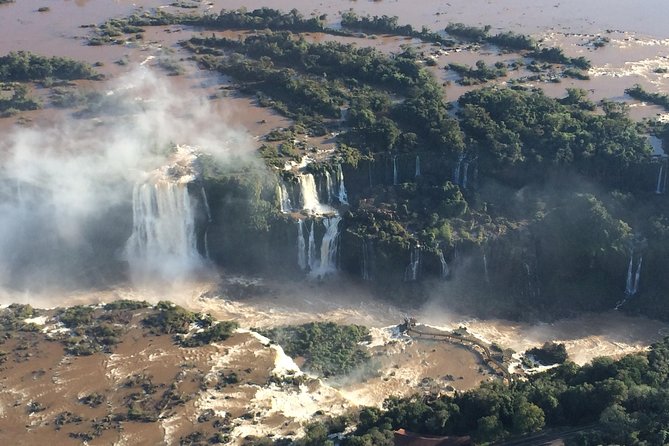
column 635, row 289
column 343, row 196
column 284, row 197
column 329, row 186
column 309, row 193
column 629, row 284
column 301, row 246
column 366, row 258
column 329, row 245
column 485, row 268
column 456, row 171
column 206, row 204
column 163, row 239
column 445, row 271
column 311, row 250
column 417, row 166
column 395, row 176
column 658, row 188
column 465, row 168
column 411, row 271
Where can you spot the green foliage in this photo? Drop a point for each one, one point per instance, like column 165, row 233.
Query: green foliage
column 169, row 319
column 482, row 73
column 126, row 304
column 637, row 92
column 549, row 353
column 76, row 316
column 216, row 333
column 25, row 66
column 620, row 401
column 328, row 348
column 389, row 25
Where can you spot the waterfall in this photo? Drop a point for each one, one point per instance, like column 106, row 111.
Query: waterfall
column 309, row 193
column 445, row 271
column 286, row 205
column 635, row 289
column 311, row 250
column 301, row 259
column 328, row 186
column 411, row 271
column 206, row 204
column 329, row 245
column 417, row 166
column 456, row 171
column 395, row 176
column 485, row 268
column 629, row 284
column 163, row 237
column 365, row 259
column 464, row 175
column 343, row 196
column 658, row 189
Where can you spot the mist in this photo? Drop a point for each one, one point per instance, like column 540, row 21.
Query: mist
column 66, row 190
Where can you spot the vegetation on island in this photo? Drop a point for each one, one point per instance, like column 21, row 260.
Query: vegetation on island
column 328, row 349
column 23, row 66
column 637, row 92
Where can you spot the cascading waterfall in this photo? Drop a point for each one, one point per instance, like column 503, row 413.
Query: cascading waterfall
column 661, row 181
column 417, row 166
column 456, row 171
column 445, row 271
column 163, row 237
column 629, row 285
column 286, row 205
column 411, row 271
column 309, row 193
column 365, row 259
column 311, row 249
column 342, row 196
column 369, row 173
column 635, row 289
column 301, row 256
column 329, row 245
column 209, row 220
column 395, row 176
column 632, row 280
column 329, row 186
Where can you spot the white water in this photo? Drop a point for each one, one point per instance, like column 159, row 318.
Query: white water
column 163, row 239
column 301, row 258
column 629, row 285
column 661, row 181
column 365, row 259
column 417, row 166
column 636, row 277
column 411, row 271
column 395, row 177
column 456, row 171
column 286, row 205
column 329, row 245
column 445, row 271
column 343, row 196
column 309, row 193
column 329, row 186
column 311, row 260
